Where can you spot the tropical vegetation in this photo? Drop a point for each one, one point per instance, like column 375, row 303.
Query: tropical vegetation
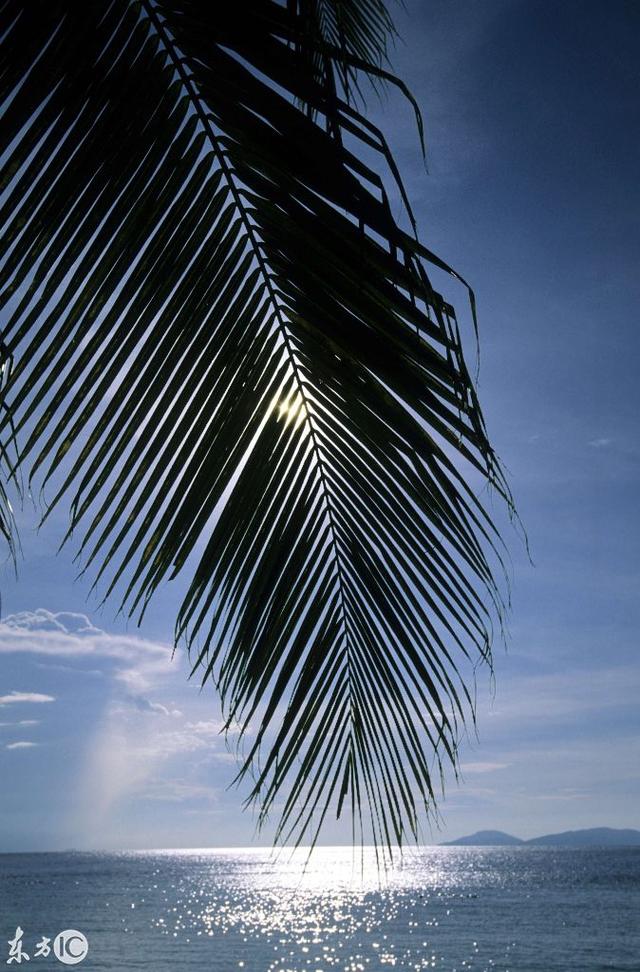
column 223, row 350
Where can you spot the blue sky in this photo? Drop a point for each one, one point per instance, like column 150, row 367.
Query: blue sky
column 532, row 120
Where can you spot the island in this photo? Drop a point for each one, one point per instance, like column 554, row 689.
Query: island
column 592, row 837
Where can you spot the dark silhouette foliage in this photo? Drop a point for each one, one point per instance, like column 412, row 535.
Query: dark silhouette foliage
column 227, row 356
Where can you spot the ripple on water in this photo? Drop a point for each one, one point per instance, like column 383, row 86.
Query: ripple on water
column 451, row 909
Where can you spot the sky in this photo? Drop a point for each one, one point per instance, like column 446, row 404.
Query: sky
column 532, row 125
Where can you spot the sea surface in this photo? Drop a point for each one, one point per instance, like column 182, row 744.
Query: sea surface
column 453, row 909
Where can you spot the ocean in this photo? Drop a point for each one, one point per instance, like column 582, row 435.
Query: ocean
column 453, row 909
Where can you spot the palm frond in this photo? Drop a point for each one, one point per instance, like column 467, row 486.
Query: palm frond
column 229, row 356
column 7, row 522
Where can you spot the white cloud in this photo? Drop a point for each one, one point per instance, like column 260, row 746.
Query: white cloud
column 146, row 705
column 178, row 791
column 20, row 745
column 471, row 768
column 65, row 634
column 562, row 795
column 147, row 744
column 51, row 666
column 43, row 621
column 131, row 751
column 600, row 443
column 560, row 697
column 21, row 722
column 206, row 727
column 16, row 697
column 141, row 733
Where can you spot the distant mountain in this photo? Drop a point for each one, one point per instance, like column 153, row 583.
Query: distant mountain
column 595, row 837
column 485, row 838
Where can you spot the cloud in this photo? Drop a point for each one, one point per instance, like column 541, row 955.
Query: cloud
column 146, row 705
column 21, row 722
column 140, row 746
column 134, row 746
column 206, row 727
column 65, row 634
column 16, row 697
column 165, row 739
column 600, row 443
column 470, row 768
column 560, row 697
column 20, row 745
column 62, row 622
column 178, row 791
column 74, row 669
column 562, row 795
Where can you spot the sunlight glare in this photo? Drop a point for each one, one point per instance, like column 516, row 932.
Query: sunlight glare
column 292, row 409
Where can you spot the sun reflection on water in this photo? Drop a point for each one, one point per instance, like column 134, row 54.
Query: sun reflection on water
column 332, row 911
column 452, row 909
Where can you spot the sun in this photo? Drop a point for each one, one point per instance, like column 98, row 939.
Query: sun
column 292, row 410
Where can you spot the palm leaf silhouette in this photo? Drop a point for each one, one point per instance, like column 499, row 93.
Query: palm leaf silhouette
column 228, row 355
